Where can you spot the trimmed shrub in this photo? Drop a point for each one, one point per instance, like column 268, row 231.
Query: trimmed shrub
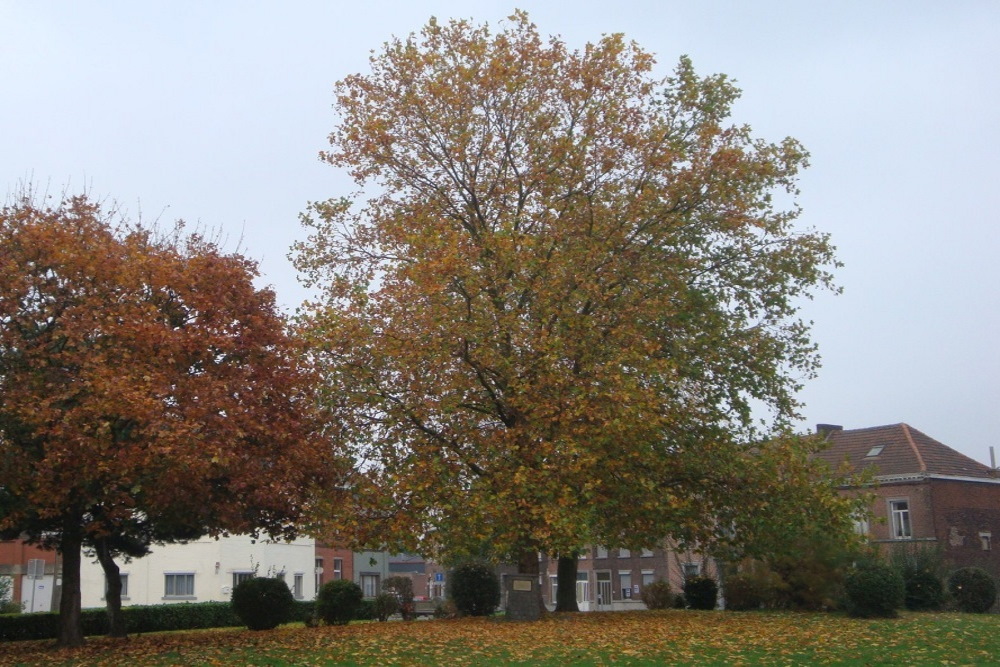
column 338, row 602
column 475, row 589
column 924, row 591
column 263, row 603
column 701, row 592
column 402, row 589
column 366, row 610
column 874, row 591
column 743, row 592
column 973, row 590
column 139, row 618
column 657, row 595
column 386, row 605
column 446, row 609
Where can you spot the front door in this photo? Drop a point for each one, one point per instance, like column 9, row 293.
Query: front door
column 603, row 591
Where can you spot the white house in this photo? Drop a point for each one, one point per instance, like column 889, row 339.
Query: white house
column 205, row 570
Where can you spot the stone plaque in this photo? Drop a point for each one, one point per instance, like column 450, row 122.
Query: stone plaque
column 524, row 601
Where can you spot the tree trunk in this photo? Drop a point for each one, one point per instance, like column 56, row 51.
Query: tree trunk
column 113, row 596
column 527, row 563
column 566, row 587
column 70, row 625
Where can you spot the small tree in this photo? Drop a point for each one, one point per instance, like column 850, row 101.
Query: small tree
column 338, row 602
column 874, row 590
column 8, row 605
column 475, row 589
column 263, row 603
column 384, row 606
column 973, row 590
column 657, row 595
column 401, row 588
column 701, row 592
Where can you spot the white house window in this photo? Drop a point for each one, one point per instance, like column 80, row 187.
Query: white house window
column 124, row 580
column 692, row 570
column 240, row 577
column 582, row 587
column 297, row 586
column 625, row 581
column 554, row 583
column 624, row 553
column 369, row 585
column 180, row 585
column 319, row 574
column 338, row 568
column 602, row 552
column 861, row 526
column 648, row 577
column 647, row 553
column 985, row 538
column 899, row 510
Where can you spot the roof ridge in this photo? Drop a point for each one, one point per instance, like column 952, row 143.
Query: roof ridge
column 913, row 446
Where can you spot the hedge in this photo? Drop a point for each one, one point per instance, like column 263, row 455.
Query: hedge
column 138, row 619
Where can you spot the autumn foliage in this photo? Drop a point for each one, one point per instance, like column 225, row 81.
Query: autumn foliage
column 147, row 389
column 564, row 285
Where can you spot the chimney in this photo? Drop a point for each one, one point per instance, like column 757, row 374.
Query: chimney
column 826, row 429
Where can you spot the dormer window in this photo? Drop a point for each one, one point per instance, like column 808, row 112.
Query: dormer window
column 874, row 451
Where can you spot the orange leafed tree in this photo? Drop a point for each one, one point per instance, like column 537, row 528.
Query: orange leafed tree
column 148, row 391
column 562, row 287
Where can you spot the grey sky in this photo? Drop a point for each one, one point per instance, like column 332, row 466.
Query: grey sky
column 215, row 112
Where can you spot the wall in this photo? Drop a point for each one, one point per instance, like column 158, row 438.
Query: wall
column 963, row 510
column 213, row 563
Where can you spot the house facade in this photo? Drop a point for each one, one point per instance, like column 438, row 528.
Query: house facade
column 32, row 572
column 926, row 493
column 205, row 570
column 611, row 579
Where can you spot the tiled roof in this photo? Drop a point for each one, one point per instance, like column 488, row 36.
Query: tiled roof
column 905, row 451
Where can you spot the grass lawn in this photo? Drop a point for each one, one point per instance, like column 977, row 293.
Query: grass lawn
column 630, row 638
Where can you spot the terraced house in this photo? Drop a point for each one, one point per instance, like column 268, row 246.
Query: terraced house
column 926, row 494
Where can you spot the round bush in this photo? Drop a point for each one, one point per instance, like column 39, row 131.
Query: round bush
column 874, row 591
column 475, row 589
column 338, row 602
column 701, row 592
column 973, row 590
column 924, row 591
column 263, row 603
column 386, row 605
column 657, row 595
column 743, row 593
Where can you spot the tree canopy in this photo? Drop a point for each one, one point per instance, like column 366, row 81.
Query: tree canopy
column 148, row 391
column 559, row 292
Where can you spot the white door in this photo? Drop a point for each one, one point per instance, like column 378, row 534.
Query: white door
column 603, row 590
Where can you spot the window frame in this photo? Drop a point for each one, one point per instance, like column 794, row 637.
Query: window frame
column 169, row 577
column 900, row 519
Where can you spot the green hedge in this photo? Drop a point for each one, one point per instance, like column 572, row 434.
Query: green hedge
column 138, row 619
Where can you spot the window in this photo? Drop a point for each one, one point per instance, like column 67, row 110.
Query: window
column 554, row 584
column 319, row 574
column 297, row 586
column 861, row 526
column 899, row 510
column 582, row 587
column 648, row 577
column 875, row 451
column 602, row 552
column 624, row 553
column 692, row 569
column 178, row 585
column 241, row 576
column 338, row 568
column 124, row 580
column 625, row 583
column 369, row 585
column 984, row 539
column 647, row 553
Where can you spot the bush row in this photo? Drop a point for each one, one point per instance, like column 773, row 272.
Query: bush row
column 138, row 619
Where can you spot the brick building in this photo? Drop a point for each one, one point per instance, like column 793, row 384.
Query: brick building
column 36, row 589
column 926, row 492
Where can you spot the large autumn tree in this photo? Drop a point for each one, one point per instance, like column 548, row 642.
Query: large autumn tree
column 559, row 293
column 148, row 392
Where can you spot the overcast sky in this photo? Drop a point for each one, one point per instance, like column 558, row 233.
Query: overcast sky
column 214, row 112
